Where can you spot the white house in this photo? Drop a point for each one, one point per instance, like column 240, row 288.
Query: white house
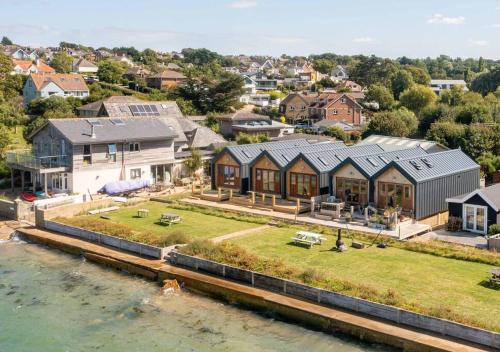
column 339, row 73
column 25, row 67
column 84, row 67
column 45, row 85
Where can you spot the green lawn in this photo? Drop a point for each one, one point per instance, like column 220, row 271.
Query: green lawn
column 428, row 280
column 193, row 224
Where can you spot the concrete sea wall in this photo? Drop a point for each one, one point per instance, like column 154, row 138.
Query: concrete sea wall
column 328, row 298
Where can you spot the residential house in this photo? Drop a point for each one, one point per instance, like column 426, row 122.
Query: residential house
column 18, row 53
column 165, row 79
column 351, row 86
column 26, row 67
column 84, row 155
column 93, row 109
column 249, row 85
column 45, row 85
column 136, row 72
column 122, row 57
column 173, row 66
column 323, row 125
column 295, row 107
column 248, row 122
column 261, row 100
column 438, row 85
column 266, row 83
column 478, row 209
column 336, row 106
column 84, row 67
column 339, row 73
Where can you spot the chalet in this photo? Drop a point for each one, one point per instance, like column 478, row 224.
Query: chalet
column 231, row 167
column 45, row 85
column 26, row 67
column 165, row 79
column 336, row 106
column 308, row 174
column 421, row 185
column 352, row 179
column 478, row 209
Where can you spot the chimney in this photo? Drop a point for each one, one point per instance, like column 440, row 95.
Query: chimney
column 92, row 132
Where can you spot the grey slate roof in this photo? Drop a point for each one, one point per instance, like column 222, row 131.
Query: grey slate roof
column 203, row 137
column 326, row 160
column 443, row 163
column 283, row 156
column 492, row 193
column 367, row 162
column 389, row 143
column 246, row 153
column 78, row 131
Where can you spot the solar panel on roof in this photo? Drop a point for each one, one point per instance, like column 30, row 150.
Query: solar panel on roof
column 153, row 108
column 140, row 108
column 133, row 108
column 147, row 108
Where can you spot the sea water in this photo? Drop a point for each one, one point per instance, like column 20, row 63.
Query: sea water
column 51, row 301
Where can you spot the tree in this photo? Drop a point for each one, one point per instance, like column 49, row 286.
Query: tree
column 380, row 94
column 245, row 138
column 62, row 62
column 419, row 75
column 6, row 41
column 54, row 107
column 337, row 132
column 487, row 82
column 371, row 70
column 417, row 97
column 6, row 139
column 324, row 66
column 481, row 139
column 6, row 66
column 401, row 81
column 194, row 162
column 453, row 96
column 110, row 71
column 398, row 123
column 201, row 56
column 449, row 134
column 472, row 113
column 148, row 57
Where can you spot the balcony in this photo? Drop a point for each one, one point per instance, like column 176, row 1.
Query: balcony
column 25, row 160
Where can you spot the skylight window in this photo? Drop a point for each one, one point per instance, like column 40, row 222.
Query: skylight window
column 416, row 165
column 95, row 123
column 384, row 159
column 323, row 161
column 427, row 162
column 117, row 122
column 372, row 161
column 247, row 154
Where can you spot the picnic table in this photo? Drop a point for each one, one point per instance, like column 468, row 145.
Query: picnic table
column 495, row 276
column 142, row 213
column 169, row 218
column 308, row 238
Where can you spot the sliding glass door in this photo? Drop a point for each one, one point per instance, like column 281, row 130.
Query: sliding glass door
column 475, row 218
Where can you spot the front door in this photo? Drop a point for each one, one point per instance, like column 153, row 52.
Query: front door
column 474, row 218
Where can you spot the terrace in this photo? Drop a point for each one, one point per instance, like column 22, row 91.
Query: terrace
column 27, row 161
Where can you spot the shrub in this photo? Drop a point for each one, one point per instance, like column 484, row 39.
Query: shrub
column 494, row 229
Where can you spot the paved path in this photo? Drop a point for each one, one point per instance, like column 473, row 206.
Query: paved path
column 239, row 233
column 406, row 230
column 404, row 337
column 460, row 237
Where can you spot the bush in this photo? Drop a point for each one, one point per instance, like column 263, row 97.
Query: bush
column 494, row 229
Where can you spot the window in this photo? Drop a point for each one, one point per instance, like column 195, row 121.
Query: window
column 303, row 185
column 303, row 107
column 267, row 180
column 292, row 108
column 229, row 175
column 342, row 100
column 60, row 181
column 335, row 111
column 112, row 152
column 87, row 155
column 135, row 174
column 134, row 147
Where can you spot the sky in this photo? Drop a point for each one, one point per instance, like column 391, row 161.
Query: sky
column 388, row 28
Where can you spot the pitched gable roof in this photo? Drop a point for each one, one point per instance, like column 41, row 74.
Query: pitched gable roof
column 169, row 74
column 83, row 63
column 67, row 82
column 41, row 66
column 246, row 153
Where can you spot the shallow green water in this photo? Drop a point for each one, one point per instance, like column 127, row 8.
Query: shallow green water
column 50, row 301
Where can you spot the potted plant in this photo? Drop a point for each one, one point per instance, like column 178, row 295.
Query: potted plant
column 348, row 217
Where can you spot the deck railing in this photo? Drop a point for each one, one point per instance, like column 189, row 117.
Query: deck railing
column 25, row 158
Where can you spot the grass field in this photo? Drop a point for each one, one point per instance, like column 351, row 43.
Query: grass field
column 431, row 281
column 193, row 224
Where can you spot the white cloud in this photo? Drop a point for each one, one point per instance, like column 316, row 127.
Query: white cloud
column 495, row 25
column 438, row 18
column 243, row 4
column 363, row 40
column 478, row 42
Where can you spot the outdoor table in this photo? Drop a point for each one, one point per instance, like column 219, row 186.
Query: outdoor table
column 169, row 218
column 142, row 213
column 309, row 238
column 495, row 275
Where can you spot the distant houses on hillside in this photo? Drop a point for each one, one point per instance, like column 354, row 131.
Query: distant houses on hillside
column 46, row 85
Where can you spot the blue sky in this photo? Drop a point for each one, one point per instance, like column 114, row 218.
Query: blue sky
column 389, row 28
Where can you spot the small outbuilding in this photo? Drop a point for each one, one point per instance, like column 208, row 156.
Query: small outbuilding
column 478, row 209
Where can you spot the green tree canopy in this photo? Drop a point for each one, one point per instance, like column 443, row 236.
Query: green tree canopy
column 62, row 62
column 419, row 75
column 110, row 71
column 380, row 94
column 324, row 66
column 401, row 81
column 447, row 133
column 245, row 138
column 487, row 82
column 417, row 97
column 6, row 41
column 337, row 132
column 398, row 123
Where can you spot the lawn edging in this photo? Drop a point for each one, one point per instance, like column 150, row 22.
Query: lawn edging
column 112, row 241
column 333, row 299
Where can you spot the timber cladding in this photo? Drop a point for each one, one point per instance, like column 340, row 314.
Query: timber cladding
column 300, row 167
column 263, row 163
column 225, row 159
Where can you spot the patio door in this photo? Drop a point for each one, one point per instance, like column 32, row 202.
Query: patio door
column 475, row 218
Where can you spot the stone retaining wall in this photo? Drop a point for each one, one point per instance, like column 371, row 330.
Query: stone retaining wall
column 112, row 241
column 328, row 298
column 7, row 209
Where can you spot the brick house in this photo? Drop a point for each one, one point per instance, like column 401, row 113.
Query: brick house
column 295, row 107
column 337, row 107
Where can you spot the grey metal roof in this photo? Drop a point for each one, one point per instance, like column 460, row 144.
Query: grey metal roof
column 246, row 153
column 326, row 160
column 389, row 143
column 78, row 131
column 284, row 156
column 372, row 163
column 435, row 165
column 261, row 125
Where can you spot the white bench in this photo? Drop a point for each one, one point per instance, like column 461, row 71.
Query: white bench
column 309, row 243
column 308, row 238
